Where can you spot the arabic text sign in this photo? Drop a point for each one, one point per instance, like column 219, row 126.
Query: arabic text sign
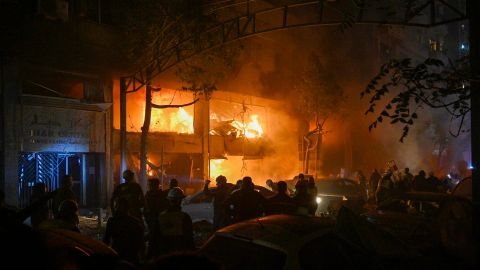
column 48, row 129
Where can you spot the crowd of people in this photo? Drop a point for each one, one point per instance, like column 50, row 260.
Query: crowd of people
column 169, row 229
column 393, row 181
column 145, row 226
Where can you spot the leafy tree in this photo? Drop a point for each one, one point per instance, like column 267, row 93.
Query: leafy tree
column 320, row 97
column 408, row 88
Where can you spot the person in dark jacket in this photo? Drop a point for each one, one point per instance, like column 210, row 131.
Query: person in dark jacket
column 155, row 202
column 420, row 182
column 39, row 190
column 63, row 193
column 220, row 195
column 281, row 203
column 174, row 230
column 245, row 203
column 132, row 192
column 66, row 219
column 305, row 204
column 124, row 233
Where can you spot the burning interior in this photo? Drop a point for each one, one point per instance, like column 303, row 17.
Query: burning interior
column 230, row 134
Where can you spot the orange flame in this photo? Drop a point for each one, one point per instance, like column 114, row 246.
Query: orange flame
column 177, row 121
column 216, row 167
column 252, row 129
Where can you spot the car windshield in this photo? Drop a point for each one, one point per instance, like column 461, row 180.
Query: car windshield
column 235, row 254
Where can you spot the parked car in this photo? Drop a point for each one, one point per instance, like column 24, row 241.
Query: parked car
column 332, row 193
column 199, row 206
column 427, row 221
column 302, row 242
column 281, row 242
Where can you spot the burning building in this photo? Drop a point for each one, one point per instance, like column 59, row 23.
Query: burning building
column 230, row 134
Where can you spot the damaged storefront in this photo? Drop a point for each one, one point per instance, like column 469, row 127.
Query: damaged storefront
column 230, row 134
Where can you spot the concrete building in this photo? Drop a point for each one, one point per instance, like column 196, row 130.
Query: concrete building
column 57, row 61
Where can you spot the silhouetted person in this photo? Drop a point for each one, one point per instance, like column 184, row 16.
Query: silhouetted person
column 406, row 181
column 19, row 240
column 281, row 203
column 63, row 193
column 66, row 219
column 312, row 192
column 420, row 182
column 132, row 192
column 238, row 186
column 245, row 203
column 220, row 195
column 39, row 190
column 385, row 187
column 303, row 201
column 173, row 183
column 124, row 233
column 174, row 231
column 373, row 183
column 7, row 215
column 156, row 202
column 271, row 185
column 433, row 182
column 361, row 180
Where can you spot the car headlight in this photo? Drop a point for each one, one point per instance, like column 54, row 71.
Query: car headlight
column 319, row 200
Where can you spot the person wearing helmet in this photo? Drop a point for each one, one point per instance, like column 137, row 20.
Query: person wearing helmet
column 66, row 219
column 219, row 195
column 174, row 229
column 132, row 192
column 171, row 184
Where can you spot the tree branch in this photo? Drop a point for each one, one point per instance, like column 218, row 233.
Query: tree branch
column 156, row 106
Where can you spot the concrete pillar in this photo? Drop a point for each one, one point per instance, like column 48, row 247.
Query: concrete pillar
column 11, row 127
column 107, row 174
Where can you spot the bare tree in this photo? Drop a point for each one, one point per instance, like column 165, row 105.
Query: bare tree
column 320, row 97
column 154, row 26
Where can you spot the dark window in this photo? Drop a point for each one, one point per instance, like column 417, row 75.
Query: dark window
column 238, row 254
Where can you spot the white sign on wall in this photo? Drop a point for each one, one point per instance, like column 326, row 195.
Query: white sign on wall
column 47, row 129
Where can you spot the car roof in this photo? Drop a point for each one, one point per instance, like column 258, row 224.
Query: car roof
column 278, row 229
column 58, row 238
column 425, row 196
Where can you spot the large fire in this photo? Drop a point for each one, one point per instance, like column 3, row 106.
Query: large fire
column 251, row 129
column 178, row 120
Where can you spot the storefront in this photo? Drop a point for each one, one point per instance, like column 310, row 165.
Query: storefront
column 59, row 137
